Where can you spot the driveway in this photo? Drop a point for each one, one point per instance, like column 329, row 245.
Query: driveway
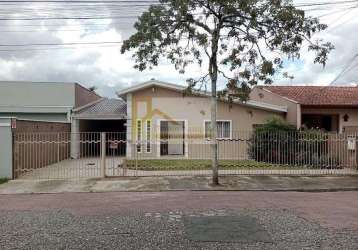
column 180, row 220
column 91, row 168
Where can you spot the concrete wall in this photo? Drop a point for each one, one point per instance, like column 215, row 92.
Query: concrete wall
column 15, row 157
column 45, row 117
column 157, row 104
column 42, row 101
column 18, row 94
column 30, row 154
column 5, row 148
column 24, row 126
column 84, row 96
column 293, row 115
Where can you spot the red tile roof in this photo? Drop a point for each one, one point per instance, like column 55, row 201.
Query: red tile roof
column 318, row 95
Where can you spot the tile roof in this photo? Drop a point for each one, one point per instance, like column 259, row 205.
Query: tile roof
column 104, row 108
column 318, row 95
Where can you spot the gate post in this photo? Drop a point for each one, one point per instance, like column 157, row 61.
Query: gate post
column 103, row 155
column 6, row 149
column 75, row 139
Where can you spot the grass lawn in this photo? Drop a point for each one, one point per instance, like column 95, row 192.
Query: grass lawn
column 3, row 180
column 184, row 164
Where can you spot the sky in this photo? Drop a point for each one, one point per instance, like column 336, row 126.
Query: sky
column 93, row 63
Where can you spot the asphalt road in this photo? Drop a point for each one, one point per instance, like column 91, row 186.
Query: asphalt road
column 180, row 220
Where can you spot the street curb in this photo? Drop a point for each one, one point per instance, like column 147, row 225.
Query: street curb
column 307, row 190
column 320, row 190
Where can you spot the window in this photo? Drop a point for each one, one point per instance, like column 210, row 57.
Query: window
column 223, row 129
column 139, row 136
column 148, row 139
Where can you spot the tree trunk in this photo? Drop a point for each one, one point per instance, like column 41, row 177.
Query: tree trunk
column 214, row 145
column 213, row 71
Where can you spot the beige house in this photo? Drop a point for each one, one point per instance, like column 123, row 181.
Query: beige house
column 172, row 124
column 332, row 109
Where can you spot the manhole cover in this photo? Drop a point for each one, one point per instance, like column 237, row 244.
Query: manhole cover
column 243, row 229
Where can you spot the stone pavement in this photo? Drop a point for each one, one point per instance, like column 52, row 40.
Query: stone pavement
column 180, row 220
column 230, row 183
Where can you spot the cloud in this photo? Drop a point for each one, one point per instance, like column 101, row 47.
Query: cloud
column 344, row 40
column 104, row 66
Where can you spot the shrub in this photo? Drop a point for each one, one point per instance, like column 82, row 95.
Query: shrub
column 275, row 124
column 278, row 142
column 3, row 180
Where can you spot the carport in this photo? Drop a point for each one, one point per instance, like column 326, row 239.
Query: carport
column 104, row 115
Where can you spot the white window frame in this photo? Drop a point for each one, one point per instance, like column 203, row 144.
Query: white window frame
column 139, row 136
column 148, row 140
column 218, row 138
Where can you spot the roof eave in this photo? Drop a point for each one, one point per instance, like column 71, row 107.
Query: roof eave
column 96, row 117
column 338, row 106
column 283, row 97
column 265, row 106
column 148, row 84
column 253, row 104
column 88, row 104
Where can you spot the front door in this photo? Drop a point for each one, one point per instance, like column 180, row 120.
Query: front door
column 172, row 137
column 176, row 138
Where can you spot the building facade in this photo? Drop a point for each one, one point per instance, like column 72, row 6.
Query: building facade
column 331, row 109
column 42, row 101
column 160, row 114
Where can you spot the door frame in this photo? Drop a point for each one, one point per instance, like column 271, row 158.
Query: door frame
column 186, row 151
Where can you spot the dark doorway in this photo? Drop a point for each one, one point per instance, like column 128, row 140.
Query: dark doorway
column 115, row 136
column 327, row 123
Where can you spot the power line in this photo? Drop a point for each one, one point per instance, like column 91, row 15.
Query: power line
column 56, row 44
column 346, row 69
column 331, row 28
column 337, row 11
column 55, row 30
column 326, row 3
column 92, row 17
column 146, row 1
column 60, row 25
column 67, row 18
column 59, row 48
column 79, row 1
column 104, row 17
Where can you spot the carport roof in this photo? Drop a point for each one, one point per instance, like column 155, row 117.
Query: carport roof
column 103, row 109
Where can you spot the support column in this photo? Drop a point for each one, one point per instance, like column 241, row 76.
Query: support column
column 299, row 116
column 6, row 167
column 129, row 126
column 103, row 155
column 75, row 139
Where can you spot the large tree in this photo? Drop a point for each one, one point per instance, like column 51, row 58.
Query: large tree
column 245, row 41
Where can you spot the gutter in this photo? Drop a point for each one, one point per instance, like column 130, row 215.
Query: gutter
column 253, row 104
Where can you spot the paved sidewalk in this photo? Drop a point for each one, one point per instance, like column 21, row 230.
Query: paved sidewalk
column 230, row 183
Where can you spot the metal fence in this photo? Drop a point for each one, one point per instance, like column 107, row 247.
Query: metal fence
column 91, row 155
